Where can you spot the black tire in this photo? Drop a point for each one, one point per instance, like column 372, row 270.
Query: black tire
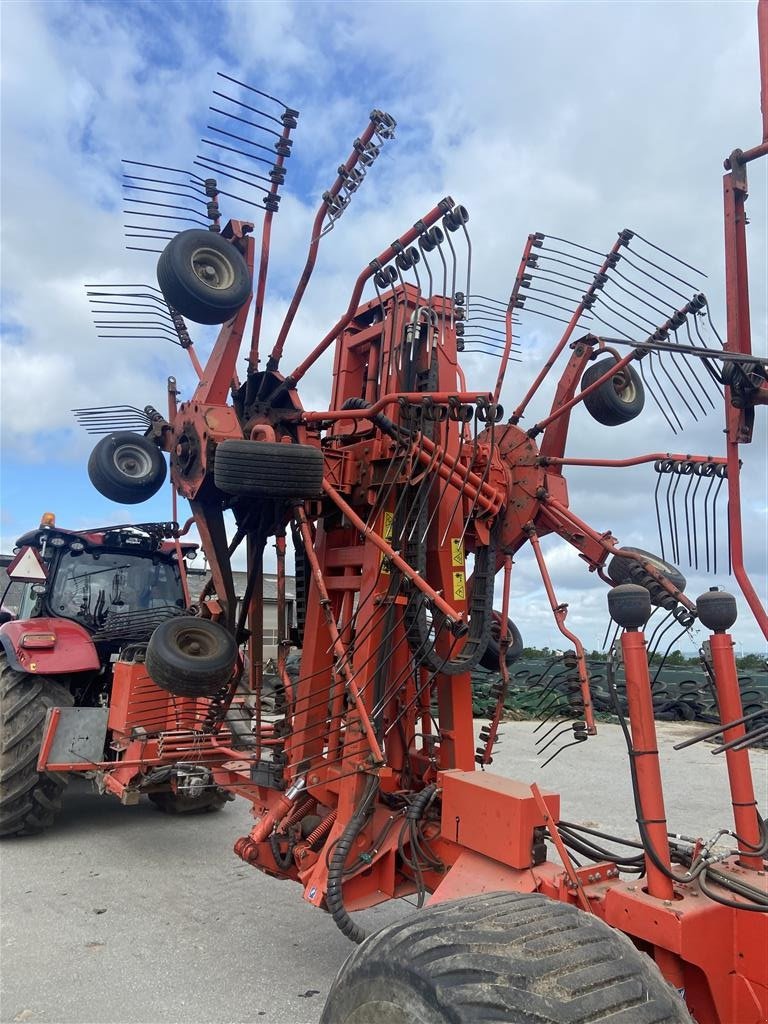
column 619, row 400
column 627, row 570
column 501, row 957
column 29, row 800
column 203, row 276
column 268, row 469
column 490, row 658
column 177, row 803
column 191, row 657
column 127, row 467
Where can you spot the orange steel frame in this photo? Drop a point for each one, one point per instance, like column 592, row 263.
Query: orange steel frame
column 347, row 724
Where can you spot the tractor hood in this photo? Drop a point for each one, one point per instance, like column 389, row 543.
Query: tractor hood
column 48, row 646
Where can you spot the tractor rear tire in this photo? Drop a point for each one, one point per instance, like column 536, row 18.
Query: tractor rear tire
column 175, row 803
column 490, row 658
column 126, row 467
column 500, row 957
column 268, row 469
column 203, row 276
column 627, row 570
column 29, row 800
column 620, row 399
column 190, row 656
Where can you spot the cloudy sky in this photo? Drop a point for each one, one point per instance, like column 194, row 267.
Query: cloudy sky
column 574, row 119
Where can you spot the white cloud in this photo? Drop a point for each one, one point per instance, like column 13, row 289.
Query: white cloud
column 575, row 119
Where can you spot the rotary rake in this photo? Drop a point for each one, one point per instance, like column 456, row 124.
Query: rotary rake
column 404, row 500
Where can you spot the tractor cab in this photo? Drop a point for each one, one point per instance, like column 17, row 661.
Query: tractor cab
column 106, row 586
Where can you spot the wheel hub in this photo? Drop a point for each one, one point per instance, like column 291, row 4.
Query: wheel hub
column 212, row 269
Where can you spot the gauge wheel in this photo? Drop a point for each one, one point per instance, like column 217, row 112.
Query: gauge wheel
column 268, row 469
column 620, row 399
column 126, row 467
column 203, row 276
column 490, row 658
column 627, row 570
column 190, row 656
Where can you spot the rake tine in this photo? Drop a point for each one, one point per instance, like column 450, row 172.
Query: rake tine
column 250, row 88
column 670, row 516
column 722, row 474
column 709, row 734
column 697, row 474
column 161, row 167
column 708, row 471
column 659, row 625
column 674, row 484
column 254, row 110
column 242, row 120
column 671, row 408
column 688, row 471
column 582, row 284
column 672, row 384
column 638, row 298
column 579, row 739
column 740, row 742
column 454, row 267
column 647, row 273
column 671, row 255
column 712, row 326
column 693, row 367
column 675, row 357
column 651, row 392
column 603, row 298
column 239, row 152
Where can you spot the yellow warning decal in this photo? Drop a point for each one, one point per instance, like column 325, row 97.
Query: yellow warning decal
column 457, row 551
column 389, row 518
column 459, row 587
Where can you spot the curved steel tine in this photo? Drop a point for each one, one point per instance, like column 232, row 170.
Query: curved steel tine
column 653, row 396
column 658, row 523
column 663, row 392
column 669, row 516
column 454, row 265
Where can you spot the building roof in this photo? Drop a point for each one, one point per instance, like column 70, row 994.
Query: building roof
column 199, row 577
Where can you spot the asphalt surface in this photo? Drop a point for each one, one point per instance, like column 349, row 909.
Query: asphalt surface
column 123, row 915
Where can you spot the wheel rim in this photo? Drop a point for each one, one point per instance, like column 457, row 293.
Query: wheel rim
column 212, row 269
column 624, row 387
column 132, row 461
column 195, row 643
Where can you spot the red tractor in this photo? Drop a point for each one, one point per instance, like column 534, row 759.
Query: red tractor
column 89, row 597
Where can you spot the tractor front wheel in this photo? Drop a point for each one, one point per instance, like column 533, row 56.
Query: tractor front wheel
column 501, row 956
column 29, row 800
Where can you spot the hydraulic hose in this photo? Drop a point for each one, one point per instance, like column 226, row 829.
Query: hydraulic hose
column 334, row 896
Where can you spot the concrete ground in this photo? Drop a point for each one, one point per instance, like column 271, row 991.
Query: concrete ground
column 122, row 915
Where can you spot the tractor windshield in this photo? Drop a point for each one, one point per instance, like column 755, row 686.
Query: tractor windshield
column 96, row 586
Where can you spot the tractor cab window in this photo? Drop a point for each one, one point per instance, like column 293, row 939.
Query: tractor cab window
column 95, row 586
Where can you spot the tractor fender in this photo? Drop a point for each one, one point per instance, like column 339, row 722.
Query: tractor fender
column 72, row 649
